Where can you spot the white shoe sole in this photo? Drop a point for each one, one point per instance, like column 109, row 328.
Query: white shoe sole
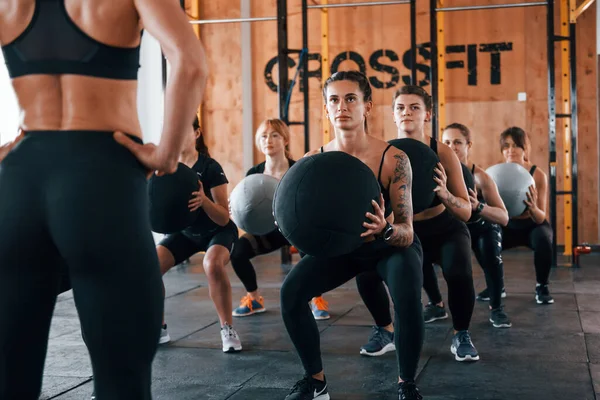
column 231, row 349
column 387, row 348
column 164, row 339
column 262, row 310
column 543, row 302
column 321, row 318
column 436, row 319
column 323, row 397
column 465, row 358
column 508, row 325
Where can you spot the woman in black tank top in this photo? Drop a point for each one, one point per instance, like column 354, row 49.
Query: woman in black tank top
column 531, row 229
column 489, row 214
column 441, row 229
column 390, row 251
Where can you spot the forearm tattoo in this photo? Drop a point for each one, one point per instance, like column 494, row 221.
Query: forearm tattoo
column 452, row 201
column 403, row 235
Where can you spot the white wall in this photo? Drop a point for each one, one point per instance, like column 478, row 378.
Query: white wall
column 151, row 94
column 150, row 90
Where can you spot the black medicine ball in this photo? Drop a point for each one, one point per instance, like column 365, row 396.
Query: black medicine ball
column 169, row 196
column 321, row 202
column 422, row 161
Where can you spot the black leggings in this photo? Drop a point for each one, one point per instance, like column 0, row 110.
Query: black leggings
column 248, row 247
column 486, row 242
column 77, row 198
column 536, row 237
column 446, row 241
column 401, row 270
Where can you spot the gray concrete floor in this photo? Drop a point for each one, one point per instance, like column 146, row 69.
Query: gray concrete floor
column 551, row 352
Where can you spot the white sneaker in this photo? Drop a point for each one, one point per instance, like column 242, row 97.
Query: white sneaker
column 164, row 335
column 231, row 340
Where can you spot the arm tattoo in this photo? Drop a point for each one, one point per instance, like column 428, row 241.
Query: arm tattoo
column 403, row 233
column 452, row 201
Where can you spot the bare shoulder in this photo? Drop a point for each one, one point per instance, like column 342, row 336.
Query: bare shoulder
column 312, row 153
column 395, row 155
column 539, row 173
column 398, row 165
column 483, row 177
column 445, row 153
column 15, row 15
column 326, row 147
column 540, row 177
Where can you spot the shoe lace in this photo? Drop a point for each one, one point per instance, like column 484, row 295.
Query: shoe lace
column 229, row 331
column 408, row 390
column 246, row 302
column 302, row 386
column 321, row 304
column 544, row 291
column 464, row 338
column 430, row 306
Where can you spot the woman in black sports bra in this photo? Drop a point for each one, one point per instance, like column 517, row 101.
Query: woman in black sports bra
column 442, row 231
column 391, row 250
column 73, row 195
column 530, row 229
column 485, row 226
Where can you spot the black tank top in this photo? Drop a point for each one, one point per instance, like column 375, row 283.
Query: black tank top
column 53, row 44
column 384, row 191
column 532, row 170
column 434, row 146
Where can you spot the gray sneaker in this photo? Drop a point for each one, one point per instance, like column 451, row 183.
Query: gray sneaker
column 433, row 312
column 380, row 342
column 463, row 348
column 499, row 319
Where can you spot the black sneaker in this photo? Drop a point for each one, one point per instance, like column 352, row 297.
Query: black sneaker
column 380, row 342
column 309, row 388
column 499, row 319
column 542, row 295
column 433, row 312
column 408, row 391
column 463, row 348
column 484, row 295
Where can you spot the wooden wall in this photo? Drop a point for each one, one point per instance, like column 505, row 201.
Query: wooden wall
column 494, row 55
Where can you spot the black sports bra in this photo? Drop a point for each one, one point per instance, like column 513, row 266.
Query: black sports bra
column 53, row 44
column 385, row 191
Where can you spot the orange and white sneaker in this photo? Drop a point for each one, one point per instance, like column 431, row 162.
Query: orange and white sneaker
column 319, row 308
column 249, row 307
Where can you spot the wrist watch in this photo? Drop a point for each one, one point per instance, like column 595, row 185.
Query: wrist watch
column 387, row 232
column 479, row 208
